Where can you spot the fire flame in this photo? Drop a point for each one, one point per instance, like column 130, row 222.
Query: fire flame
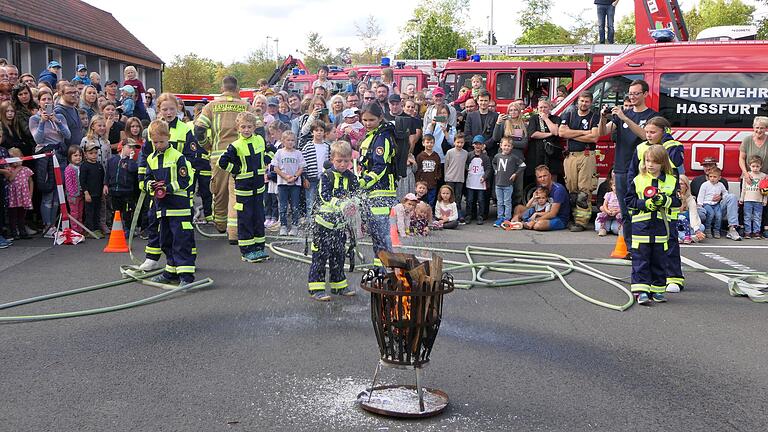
column 404, row 301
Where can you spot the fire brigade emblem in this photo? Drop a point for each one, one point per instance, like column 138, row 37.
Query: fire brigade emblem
column 192, row 147
column 183, row 171
column 380, row 151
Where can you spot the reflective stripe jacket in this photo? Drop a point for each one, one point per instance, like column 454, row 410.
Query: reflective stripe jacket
column 244, row 159
column 182, row 139
column 173, row 168
column 377, row 152
column 651, row 226
column 219, row 116
column 675, row 150
column 333, row 191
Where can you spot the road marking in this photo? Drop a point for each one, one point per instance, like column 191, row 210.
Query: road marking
column 694, row 264
column 728, row 262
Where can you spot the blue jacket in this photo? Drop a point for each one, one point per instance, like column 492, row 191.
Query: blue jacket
column 48, row 77
column 85, row 81
column 121, row 175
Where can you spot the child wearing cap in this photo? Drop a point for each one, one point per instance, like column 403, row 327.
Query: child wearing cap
column 479, row 170
column 121, row 178
column 351, row 130
column 127, row 93
column 81, row 75
column 92, row 186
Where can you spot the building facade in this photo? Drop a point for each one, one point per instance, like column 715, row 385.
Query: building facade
column 72, row 32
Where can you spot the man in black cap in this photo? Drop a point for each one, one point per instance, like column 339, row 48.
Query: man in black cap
column 728, row 203
column 272, row 105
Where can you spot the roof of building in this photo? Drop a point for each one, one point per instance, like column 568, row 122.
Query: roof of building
column 77, row 20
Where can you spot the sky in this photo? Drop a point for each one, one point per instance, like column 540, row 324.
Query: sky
column 289, row 21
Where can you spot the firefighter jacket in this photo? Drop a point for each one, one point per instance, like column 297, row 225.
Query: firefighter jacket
column 219, row 116
column 650, row 222
column 334, row 191
column 674, row 148
column 181, row 139
column 377, row 161
column 244, row 159
column 171, row 167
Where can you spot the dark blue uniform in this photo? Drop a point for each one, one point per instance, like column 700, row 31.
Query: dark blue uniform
column 378, row 179
column 676, row 153
column 650, row 231
column 182, row 140
column 329, row 233
column 174, row 211
column 244, row 159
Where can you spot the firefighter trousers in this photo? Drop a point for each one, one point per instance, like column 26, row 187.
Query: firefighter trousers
column 581, row 172
column 674, row 266
column 204, row 190
column 649, row 271
column 177, row 241
column 250, row 222
column 224, row 213
column 327, row 246
column 152, row 228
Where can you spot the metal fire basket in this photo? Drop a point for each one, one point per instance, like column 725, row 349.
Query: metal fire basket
column 406, row 311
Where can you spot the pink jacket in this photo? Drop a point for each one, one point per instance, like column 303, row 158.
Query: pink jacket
column 72, row 181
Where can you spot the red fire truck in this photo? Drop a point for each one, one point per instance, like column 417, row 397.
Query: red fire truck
column 709, row 91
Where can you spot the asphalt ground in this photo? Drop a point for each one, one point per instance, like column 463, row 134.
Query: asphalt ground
column 253, row 353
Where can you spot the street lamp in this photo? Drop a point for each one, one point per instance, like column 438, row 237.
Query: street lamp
column 277, row 52
column 418, row 36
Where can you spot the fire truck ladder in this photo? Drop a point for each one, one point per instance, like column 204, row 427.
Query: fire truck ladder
column 552, row 50
column 653, row 15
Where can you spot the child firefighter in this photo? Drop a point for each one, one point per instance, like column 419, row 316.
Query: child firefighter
column 337, row 186
column 170, row 178
column 244, row 159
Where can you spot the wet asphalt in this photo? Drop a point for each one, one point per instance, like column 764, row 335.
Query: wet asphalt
column 253, row 353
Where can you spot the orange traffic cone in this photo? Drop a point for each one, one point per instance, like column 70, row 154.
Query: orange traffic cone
column 393, row 234
column 620, row 250
column 117, row 241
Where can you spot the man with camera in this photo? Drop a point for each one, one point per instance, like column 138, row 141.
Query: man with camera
column 580, row 127
column 628, row 125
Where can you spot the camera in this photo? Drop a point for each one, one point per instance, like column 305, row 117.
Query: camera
column 607, row 110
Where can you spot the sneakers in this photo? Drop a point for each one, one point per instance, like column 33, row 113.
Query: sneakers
column 642, row 298
column 498, row 222
column 344, row 292
column 716, row 234
column 269, row 222
column 161, row 279
column 602, row 232
column 283, row 230
column 577, row 228
column 294, row 231
column 255, row 256
column 50, row 232
column 4, row 243
column 320, row 296
column 149, row 265
column 687, row 240
column 144, row 235
column 707, row 235
column 480, row 221
column 30, row 231
column 183, row 283
column 733, row 234
column 462, row 221
column 673, row 288
column 658, row 297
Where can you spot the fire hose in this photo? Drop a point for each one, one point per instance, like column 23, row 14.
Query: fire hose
column 533, row 267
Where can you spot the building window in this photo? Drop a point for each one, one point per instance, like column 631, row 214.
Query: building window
column 142, row 74
column 54, row 54
column 104, row 70
column 80, row 59
column 21, row 57
column 121, row 79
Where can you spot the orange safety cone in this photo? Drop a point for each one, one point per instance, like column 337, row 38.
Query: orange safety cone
column 393, row 234
column 117, row 241
column 620, row 250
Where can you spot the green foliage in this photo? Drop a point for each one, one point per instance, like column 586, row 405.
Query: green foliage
column 712, row 13
column 545, row 34
column 441, row 26
column 189, row 74
column 258, row 65
column 316, row 54
column 625, row 30
column 535, row 14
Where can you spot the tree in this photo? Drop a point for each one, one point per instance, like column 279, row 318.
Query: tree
column 440, row 24
column 712, row 13
column 317, row 53
column 537, row 28
column 535, row 14
column 370, row 35
column 762, row 24
column 256, row 66
column 190, row 74
column 625, row 30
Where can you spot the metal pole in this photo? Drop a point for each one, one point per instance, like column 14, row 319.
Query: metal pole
column 490, row 35
column 277, row 52
column 267, row 53
column 419, row 45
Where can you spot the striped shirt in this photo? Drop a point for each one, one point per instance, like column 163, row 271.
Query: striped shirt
column 314, row 165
